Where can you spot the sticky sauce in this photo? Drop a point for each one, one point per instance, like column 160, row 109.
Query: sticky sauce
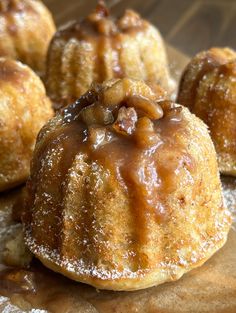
column 129, row 136
column 39, row 288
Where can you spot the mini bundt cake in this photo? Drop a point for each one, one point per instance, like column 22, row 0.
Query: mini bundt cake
column 124, row 191
column 26, row 28
column 101, row 48
column 24, row 109
column 208, row 89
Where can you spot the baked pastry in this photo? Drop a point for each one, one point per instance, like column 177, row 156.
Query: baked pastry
column 24, row 109
column 124, row 191
column 208, row 89
column 101, row 48
column 26, row 28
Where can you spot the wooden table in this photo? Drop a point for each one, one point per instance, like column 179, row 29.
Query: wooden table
column 188, row 25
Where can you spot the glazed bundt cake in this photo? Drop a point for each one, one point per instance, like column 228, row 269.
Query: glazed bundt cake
column 26, row 28
column 208, row 89
column 24, row 109
column 124, row 191
column 101, row 48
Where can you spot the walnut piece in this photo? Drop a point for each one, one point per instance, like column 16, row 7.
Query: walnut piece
column 126, row 120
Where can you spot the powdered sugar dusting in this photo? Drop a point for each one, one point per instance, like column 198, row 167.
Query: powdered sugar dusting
column 79, row 266
column 229, row 192
column 7, row 307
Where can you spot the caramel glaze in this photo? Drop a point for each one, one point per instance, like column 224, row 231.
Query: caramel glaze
column 98, row 28
column 104, row 37
column 39, row 288
column 101, row 23
column 127, row 138
column 28, row 288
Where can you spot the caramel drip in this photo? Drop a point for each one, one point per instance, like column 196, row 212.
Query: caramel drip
column 120, row 48
column 131, row 136
column 126, row 156
column 100, row 23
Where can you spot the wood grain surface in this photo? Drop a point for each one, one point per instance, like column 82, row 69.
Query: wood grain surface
column 188, row 25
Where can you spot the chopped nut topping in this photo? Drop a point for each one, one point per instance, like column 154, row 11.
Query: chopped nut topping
column 145, row 107
column 96, row 114
column 129, row 20
column 145, row 134
column 125, row 123
column 100, row 18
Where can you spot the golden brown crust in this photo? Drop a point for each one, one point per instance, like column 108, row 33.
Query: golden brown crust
column 124, row 191
column 208, row 89
column 23, row 111
column 101, row 48
column 142, row 279
column 26, row 28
